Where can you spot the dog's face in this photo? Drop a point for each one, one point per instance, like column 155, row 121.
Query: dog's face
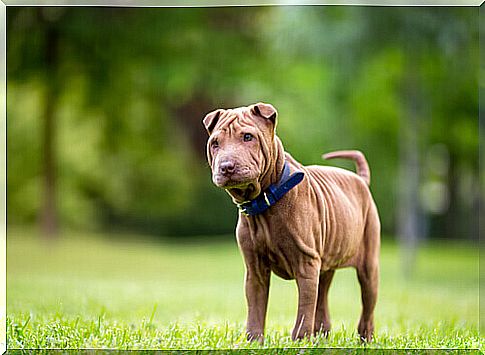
column 240, row 148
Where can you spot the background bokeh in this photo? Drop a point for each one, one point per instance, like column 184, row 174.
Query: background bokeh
column 105, row 108
column 117, row 237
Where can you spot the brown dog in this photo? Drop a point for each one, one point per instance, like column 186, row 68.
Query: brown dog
column 301, row 222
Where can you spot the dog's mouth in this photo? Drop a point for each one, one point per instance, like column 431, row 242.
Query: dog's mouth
column 233, row 184
column 240, row 190
column 236, row 181
column 244, row 193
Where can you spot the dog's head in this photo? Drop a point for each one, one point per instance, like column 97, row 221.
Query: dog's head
column 241, row 148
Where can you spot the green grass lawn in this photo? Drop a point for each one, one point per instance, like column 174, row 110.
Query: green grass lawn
column 91, row 291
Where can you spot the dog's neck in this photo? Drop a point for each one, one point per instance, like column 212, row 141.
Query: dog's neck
column 275, row 170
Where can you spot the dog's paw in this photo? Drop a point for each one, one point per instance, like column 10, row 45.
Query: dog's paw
column 366, row 330
column 255, row 337
column 300, row 334
column 322, row 329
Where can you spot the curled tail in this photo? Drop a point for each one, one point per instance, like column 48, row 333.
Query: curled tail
column 362, row 167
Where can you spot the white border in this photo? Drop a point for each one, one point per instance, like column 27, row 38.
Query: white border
column 129, row 3
column 215, row 3
column 3, row 178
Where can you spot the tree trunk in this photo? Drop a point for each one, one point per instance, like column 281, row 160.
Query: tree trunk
column 48, row 217
column 409, row 213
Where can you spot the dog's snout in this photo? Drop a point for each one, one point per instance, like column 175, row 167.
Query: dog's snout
column 227, row 167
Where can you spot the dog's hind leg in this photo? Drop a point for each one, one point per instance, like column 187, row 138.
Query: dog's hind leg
column 368, row 275
column 368, row 283
column 322, row 315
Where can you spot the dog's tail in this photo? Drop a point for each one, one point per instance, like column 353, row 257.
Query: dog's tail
column 358, row 157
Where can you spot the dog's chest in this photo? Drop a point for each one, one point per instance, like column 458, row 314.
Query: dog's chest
column 277, row 247
column 281, row 265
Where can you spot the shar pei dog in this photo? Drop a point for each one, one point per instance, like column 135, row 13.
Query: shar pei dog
column 300, row 222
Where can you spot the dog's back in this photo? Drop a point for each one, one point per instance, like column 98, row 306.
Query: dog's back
column 348, row 208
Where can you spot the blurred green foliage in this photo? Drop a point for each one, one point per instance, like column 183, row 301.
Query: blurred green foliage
column 129, row 87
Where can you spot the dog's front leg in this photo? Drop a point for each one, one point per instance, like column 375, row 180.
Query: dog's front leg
column 307, row 282
column 257, row 290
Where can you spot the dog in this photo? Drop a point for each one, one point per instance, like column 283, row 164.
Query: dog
column 300, row 222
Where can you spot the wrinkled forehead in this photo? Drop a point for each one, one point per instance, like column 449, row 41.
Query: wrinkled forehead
column 236, row 119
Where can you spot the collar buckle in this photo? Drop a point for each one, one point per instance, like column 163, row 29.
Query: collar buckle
column 242, row 209
column 273, row 194
column 266, row 199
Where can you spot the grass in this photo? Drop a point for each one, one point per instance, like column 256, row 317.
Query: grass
column 89, row 291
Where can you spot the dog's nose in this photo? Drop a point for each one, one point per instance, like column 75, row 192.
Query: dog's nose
column 227, row 167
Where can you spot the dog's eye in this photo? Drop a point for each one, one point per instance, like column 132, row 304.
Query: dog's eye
column 215, row 144
column 247, row 137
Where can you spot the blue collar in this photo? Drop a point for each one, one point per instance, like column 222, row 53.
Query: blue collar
column 273, row 193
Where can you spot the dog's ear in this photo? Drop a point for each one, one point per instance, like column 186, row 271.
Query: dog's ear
column 211, row 119
column 266, row 111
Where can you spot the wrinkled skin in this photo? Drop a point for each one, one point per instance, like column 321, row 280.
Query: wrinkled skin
column 328, row 221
